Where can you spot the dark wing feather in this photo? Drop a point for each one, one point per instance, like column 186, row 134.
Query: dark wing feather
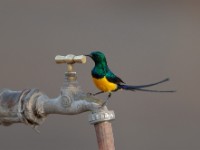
column 111, row 77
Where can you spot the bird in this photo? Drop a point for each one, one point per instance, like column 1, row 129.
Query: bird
column 107, row 82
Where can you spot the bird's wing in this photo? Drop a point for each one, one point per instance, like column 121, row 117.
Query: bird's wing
column 111, row 77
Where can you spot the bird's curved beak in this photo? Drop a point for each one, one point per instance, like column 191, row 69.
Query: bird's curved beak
column 89, row 55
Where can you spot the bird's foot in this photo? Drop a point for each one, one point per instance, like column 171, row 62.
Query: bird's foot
column 98, row 93
column 109, row 95
column 105, row 103
column 90, row 94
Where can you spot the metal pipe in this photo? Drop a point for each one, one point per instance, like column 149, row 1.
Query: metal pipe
column 30, row 106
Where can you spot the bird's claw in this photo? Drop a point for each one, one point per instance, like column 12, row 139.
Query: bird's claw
column 90, row 94
column 104, row 104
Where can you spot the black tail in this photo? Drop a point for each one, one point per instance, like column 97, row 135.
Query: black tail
column 141, row 87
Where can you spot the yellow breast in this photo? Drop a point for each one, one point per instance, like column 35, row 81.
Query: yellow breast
column 104, row 85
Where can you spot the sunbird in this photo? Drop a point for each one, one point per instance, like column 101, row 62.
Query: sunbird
column 106, row 81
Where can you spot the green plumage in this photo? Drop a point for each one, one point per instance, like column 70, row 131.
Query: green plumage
column 101, row 68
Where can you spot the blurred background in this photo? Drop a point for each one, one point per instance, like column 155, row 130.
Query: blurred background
column 144, row 41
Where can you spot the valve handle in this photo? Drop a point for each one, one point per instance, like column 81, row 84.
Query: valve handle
column 70, row 59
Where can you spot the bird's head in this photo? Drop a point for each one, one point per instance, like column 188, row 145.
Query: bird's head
column 97, row 56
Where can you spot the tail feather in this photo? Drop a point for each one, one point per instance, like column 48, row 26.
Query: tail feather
column 164, row 91
column 141, row 87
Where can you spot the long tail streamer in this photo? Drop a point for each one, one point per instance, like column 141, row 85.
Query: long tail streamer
column 141, row 87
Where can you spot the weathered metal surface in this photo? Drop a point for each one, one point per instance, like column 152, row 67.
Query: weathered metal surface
column 32, row 106
column 101, row 115
column 17, row 106
column 70, row 59
column 9, row 106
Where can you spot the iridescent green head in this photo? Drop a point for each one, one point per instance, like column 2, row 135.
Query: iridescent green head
column 98, row 57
